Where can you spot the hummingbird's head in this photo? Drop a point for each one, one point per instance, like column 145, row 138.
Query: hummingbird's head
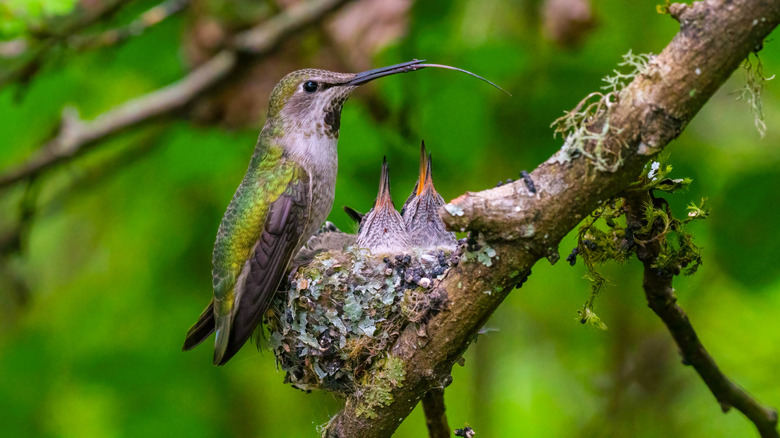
column 421, row 211
column 382, row 229
column 424, row 192
column 311, row 99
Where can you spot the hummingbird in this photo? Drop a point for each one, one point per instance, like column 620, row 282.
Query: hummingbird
column 286, row 194
column 382, row 229
column 421, row 211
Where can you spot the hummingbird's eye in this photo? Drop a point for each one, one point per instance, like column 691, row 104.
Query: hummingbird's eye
column 310, row 86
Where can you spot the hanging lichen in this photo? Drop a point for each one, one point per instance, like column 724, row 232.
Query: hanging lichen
column 751, row 92
column 605, row 235
column 587, row 129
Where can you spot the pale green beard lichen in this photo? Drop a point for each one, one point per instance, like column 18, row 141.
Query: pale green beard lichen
column 586, row 128
column 751, row 92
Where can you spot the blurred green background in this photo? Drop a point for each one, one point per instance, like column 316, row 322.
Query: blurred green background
column 115, row 263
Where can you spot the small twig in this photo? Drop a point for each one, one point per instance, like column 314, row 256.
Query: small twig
column 660, row 297
column 435, row 414
column 15, row 241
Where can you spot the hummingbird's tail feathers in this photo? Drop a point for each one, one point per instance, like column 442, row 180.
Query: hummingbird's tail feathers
column 221, row 339
column 201, row 330
column 280, row 239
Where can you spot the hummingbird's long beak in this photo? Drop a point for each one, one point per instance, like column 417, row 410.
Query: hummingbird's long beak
column 405, row 67
column 370, row 75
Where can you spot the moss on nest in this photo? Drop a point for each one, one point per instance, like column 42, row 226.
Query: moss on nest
column 330, row 326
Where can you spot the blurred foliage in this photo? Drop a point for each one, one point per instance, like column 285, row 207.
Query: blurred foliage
column 18, row 17
column 115, row 260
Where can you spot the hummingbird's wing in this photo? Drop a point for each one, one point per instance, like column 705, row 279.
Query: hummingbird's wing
column 280, row 237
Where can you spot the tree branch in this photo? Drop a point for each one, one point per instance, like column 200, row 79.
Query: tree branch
column 522, row 226
column 76, row 136
column 151, row 17
column 660, row 297
column 435, row 414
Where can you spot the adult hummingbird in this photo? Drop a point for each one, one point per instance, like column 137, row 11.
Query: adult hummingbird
column 421, row 211
column 285, row 196
column 382, row 229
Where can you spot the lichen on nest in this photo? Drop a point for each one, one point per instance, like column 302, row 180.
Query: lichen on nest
column 341, row 309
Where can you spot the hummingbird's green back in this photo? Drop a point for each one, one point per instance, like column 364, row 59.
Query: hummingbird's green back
column 266, row 179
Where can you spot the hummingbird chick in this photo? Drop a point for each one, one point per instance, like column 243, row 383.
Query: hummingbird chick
column 421, row 211
column 382, row 230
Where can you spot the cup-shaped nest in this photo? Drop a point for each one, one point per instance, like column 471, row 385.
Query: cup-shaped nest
column 342, row 309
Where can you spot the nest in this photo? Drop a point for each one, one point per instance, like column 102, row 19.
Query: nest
column 342, row 309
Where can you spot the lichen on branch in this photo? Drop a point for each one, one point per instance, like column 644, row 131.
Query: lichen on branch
column 587, row 129
column 607, row 235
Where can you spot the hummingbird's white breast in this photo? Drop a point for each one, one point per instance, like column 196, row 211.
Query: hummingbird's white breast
column 317, row 154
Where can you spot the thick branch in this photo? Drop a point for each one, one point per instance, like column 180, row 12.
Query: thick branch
column 521, row 226
column 76, row 136
column 660, row 297
column 435, row 414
